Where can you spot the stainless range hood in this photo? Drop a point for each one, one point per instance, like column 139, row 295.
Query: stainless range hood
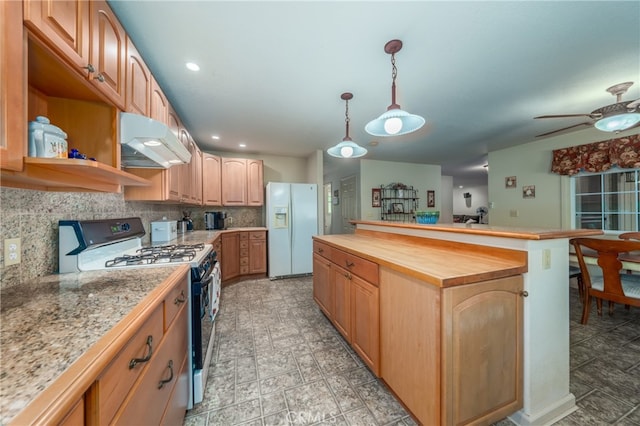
column 148, row 143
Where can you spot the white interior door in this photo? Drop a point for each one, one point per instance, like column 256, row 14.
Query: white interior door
column 348, row 199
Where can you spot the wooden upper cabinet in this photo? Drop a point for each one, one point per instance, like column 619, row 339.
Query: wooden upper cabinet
column 175, row 172
column 195, row 167
column 159, row 103
column 108, row 48
column 234, row 182
column 65, row 24
column 211, row 188
column 13, row 126
column 255, row 185
column 138, row 84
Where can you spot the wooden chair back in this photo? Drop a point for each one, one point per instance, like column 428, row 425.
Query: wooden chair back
column 630, row 236
column 608, row 251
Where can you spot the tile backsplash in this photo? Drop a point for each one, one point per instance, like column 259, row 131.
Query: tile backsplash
column 33, row 217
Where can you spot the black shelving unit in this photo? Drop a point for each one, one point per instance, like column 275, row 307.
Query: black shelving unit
column 398, row 202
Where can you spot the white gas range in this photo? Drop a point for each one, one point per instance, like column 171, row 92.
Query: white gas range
column 89, row 245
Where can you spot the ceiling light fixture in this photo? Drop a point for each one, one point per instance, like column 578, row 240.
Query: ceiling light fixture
column 394, row 121
column 216, row 137
column 192, row 66
column 347, row 148
column 621, row 115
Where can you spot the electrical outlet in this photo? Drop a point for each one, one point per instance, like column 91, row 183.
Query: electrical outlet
column 514, row 213
column 546, row 259
column 12, row 251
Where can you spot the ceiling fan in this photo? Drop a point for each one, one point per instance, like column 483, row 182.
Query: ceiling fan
column 611, row 118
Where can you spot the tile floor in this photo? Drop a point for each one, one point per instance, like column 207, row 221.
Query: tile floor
column 278, row 361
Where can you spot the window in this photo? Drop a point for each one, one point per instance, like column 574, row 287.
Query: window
column 608, row 201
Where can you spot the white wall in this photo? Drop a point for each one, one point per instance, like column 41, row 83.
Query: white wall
column 446, row 199
column 531, row 164
column 479, row 195
column 422, row 177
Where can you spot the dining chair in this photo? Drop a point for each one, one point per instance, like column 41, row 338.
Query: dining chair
column 630, row 236
column 612, row 285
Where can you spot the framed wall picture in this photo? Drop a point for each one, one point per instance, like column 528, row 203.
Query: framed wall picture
column 375, row 197
column 397, row 208
column 431, row 198
column 529, row 191
column 510, row 182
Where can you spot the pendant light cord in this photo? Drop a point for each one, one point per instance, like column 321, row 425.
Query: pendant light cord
column 346, row 120
column 394, row 74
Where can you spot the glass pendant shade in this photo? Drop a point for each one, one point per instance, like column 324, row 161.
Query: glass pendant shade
column 618, row 122
column 394, row 122
column 347, row 149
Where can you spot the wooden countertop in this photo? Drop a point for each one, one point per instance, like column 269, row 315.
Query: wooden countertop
column 488, row 230
column 437, row 262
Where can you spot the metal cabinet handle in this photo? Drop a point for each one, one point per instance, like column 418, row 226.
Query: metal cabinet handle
column 90, row 68
column 100, row 78
column 136, row 361
column 348, row 276
column 524, row 293
column 349, row 264
column 165, row 381
column 320, row 250
column 181, row 299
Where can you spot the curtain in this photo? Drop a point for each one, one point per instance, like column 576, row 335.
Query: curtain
column 598, row 156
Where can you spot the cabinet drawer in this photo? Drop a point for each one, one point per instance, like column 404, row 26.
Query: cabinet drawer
column 356, row 265
column 146, row 403
column 257, row 235
column 244, row 236
column 175, row 300
column 322, row 249
column 117, row 379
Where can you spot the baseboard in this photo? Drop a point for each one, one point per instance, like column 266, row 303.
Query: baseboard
column 548, row 415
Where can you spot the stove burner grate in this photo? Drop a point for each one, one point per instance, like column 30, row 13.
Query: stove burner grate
column 158, row 254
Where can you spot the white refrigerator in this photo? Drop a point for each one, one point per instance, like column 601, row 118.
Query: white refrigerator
column 292, row 219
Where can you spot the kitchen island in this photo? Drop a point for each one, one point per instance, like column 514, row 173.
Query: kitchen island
column 428, row 261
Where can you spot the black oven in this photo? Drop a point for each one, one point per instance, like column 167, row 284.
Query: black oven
column 205, row 296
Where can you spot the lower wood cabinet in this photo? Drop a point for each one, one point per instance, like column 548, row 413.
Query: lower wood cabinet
column 147, row 381
column 244, row 253
column 348, row 300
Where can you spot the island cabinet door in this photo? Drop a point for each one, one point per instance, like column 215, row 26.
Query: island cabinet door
column 322, row 288
column 365, row 322
column 341, row 280
column 482, row 351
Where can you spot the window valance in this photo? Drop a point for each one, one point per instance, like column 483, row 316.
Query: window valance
column 598, row 156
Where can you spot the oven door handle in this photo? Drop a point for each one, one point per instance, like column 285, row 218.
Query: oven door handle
column 205, row 284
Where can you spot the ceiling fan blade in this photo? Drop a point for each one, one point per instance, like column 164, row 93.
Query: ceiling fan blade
column 586, row 123
column 565, row 115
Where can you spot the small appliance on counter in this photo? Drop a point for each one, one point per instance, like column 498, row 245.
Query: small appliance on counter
column 216, row 220
column 164, row 230
column 187, row 220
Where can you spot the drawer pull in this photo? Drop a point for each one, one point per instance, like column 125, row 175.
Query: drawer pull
column 347, row 276
column 136, row 361
column 524, row 293
column 181, row 299
column 349, row 264
column 165, row 381
column 320, row 250
column 90, row 68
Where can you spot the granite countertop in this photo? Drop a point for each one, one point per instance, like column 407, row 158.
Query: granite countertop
column 46, row 324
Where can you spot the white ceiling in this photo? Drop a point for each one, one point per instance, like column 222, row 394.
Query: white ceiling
column 272, row 72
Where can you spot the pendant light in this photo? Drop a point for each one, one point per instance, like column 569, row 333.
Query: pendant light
column 347, row 148
column 394, row 121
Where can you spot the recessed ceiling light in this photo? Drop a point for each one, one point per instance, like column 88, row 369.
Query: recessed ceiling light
column 216, row 137
column 192, row 66
column 242, row 145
